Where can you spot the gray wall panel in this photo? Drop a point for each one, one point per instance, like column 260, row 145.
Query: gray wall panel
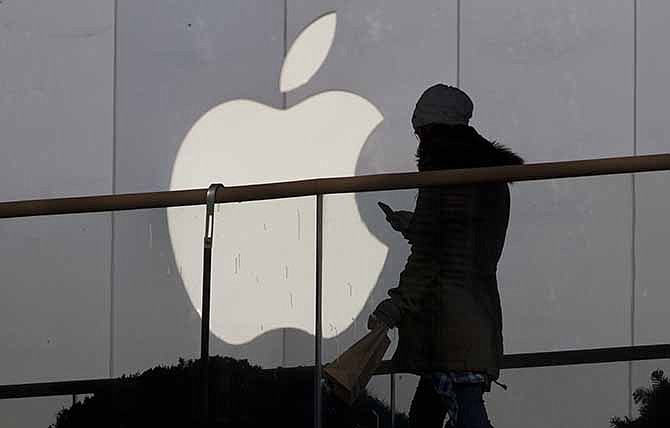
column 560, row 396
column 176, row 61
column 653, row 208
column 56, row 136
column 55, row 98
column 31, row 412
column 554, row 82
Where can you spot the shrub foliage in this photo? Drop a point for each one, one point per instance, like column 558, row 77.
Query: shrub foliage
column 241, row 396
column 654, row 408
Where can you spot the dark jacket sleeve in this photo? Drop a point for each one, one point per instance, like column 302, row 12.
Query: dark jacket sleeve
column 406, row 233
column 422, row 266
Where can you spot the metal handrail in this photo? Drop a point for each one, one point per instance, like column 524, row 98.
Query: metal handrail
column 323, row 186
column 510, row 361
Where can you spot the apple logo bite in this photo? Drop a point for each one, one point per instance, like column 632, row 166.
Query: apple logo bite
column 263, row 262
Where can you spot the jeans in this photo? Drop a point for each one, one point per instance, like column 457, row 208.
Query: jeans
column 429, row 409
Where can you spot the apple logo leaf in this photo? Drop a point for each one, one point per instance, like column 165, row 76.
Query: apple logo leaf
column 307, row 52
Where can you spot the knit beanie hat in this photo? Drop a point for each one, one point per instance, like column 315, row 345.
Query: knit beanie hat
column 442, row 104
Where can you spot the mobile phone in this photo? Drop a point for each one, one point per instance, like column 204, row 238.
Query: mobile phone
column 387, row 210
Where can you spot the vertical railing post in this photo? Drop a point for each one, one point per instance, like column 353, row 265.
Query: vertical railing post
column 392, row 400
column 206, row 292
column 376, row 418
column 318, row 320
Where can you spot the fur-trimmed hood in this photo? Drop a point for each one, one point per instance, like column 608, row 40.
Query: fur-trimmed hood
column 460, row 146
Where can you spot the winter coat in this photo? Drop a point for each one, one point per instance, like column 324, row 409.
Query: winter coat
column 447, row 305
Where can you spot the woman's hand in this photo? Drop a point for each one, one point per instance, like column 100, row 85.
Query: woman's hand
column 374, row 322
column 399, row 220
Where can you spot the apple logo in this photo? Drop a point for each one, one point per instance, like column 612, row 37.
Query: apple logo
column 263, row 261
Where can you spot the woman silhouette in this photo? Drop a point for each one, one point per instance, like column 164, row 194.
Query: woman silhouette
column 446, row 305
